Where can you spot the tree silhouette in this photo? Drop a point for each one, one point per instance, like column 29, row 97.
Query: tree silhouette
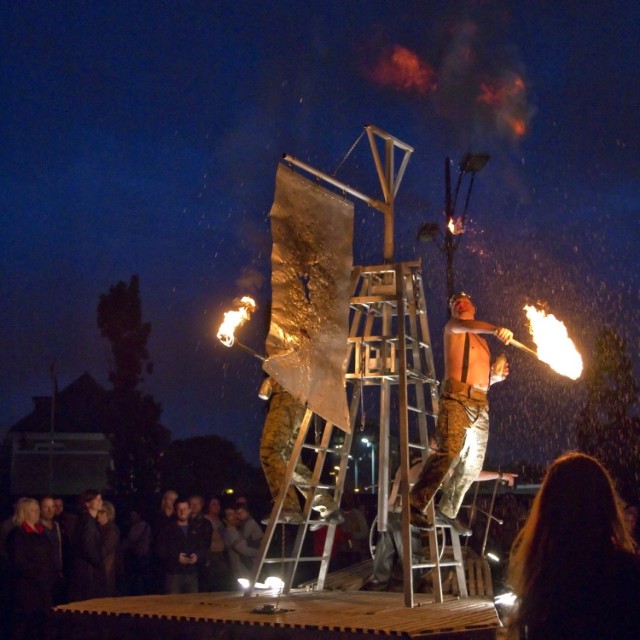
column 138, row 440
column 209, row 465
column 606, row 427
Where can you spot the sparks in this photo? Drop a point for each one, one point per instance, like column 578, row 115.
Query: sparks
column 455, row 226
column 553, row 342
column 235, row 319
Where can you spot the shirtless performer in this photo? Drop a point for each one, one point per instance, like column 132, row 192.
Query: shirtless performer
column 463, row 419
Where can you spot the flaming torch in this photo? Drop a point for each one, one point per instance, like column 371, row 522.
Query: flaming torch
column 555, row 348
column 235, row 319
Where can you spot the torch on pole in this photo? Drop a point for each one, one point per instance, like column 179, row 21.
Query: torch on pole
column 522, row 347
column 255, row 354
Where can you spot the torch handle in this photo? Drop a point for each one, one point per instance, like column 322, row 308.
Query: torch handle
column 522, row 347
column 250, row 351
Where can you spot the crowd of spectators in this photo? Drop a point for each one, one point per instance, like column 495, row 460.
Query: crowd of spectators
column 50, row 555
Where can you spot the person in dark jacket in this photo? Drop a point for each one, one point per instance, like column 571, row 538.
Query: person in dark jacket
column 32, row 571
column 87, row 573
column 180, row 548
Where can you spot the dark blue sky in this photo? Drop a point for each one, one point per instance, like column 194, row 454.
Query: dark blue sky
column 143, row 137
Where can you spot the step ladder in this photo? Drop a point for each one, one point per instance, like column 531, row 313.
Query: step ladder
column 389, row 353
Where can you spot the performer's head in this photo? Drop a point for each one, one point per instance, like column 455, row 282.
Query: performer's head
column 460, row 303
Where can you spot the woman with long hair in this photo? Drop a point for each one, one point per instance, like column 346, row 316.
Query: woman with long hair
column 572, row 565
column 32, row 572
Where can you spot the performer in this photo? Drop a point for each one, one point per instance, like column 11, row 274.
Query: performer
column 279, row 433
column 463, row 419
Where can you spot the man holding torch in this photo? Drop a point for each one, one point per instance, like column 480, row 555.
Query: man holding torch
column 463, row 419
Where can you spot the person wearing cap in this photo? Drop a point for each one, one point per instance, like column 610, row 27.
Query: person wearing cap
column 463, row 419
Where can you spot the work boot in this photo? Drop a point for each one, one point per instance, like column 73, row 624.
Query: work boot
column 419, row 519
column 454, row 523
column 335, row 517
column 324, row 504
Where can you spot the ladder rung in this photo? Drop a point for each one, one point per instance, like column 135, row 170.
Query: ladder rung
column 317, row 447
column 301, row 559
column 308, row 485
column 367, row 300
column 414, row 373
column 431, row 565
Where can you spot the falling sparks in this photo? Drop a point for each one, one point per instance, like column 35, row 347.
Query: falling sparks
column 235, row 319
column 404, row 70
column 553, row 342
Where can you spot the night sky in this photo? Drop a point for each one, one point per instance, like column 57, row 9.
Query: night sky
column 143, row 138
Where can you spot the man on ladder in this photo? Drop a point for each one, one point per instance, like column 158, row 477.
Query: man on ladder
column 463, row 418
column 279, row 434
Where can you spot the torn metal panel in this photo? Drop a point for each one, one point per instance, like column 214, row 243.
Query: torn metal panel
column 311, row 261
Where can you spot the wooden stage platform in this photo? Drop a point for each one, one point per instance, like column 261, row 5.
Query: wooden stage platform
column 301, row 615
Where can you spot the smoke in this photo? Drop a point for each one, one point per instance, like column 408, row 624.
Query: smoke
column 250, row 282
column 474, row 80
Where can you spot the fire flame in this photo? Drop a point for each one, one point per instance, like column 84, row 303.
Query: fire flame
column 235, row 319
column 455, row 226
column 553, row 342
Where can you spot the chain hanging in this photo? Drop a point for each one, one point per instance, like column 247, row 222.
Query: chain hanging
column 346, row 155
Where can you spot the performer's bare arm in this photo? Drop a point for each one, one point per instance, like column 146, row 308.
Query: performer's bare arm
column 456, row 325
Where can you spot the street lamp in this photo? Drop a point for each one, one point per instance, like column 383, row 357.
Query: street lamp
column 372, row 446
column 471, row 164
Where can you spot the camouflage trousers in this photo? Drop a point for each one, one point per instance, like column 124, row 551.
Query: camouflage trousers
column 279, row 433
column 462, row 433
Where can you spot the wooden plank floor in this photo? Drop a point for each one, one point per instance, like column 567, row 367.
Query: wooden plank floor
column 304, row 614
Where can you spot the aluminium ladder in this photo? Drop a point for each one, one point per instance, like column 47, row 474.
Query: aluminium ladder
column 388, row 351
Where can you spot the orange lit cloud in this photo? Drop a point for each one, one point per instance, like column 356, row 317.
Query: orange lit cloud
column 499, row 92
column 506, row 96
column 403, row 69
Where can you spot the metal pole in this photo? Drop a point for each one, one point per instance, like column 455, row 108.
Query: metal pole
column 373, row 467
column 52, row 424
column 449, row 247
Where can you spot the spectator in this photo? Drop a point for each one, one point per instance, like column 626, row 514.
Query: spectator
column 109, row 547
column 6, row 527
column 53, row 533
column 87, row 574
column 572, row 566
column 356, row 530
column 217, row 573
column 166, row 512
column 66, row 520
column 164, row 516
column 32, row 572
column 179, row 547
column 249, row 529
column 241, row 553
column 241, row 501
column 197, row 519
column 136, row 550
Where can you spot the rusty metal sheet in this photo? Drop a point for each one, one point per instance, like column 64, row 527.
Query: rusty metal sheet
column 311, row 261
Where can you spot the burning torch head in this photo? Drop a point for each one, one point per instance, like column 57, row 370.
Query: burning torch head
column 457, row 296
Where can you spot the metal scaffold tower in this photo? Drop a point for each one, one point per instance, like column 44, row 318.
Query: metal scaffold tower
column 389, row 360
